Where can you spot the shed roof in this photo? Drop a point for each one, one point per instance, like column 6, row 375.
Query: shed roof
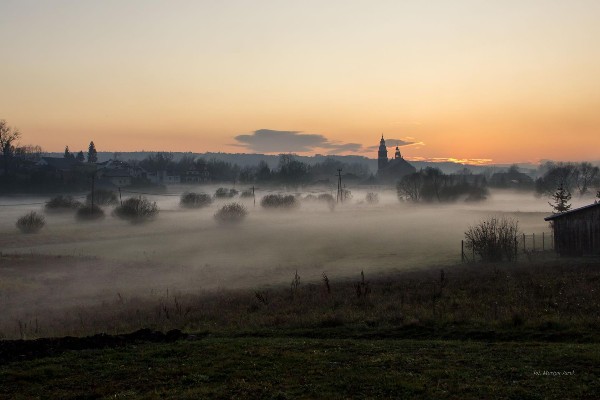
column 570, row 212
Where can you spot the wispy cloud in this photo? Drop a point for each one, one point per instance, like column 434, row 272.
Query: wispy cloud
column 408, row 141
column 466, row 161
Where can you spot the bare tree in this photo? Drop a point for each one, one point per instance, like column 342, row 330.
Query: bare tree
column 8, row 136
column 410, row 187
column 494, row 239
column 585, row 175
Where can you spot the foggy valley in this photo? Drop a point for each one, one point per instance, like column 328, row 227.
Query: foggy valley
column 185, row 251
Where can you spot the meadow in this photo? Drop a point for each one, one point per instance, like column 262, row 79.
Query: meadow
column 185, row 252
column 367, row 300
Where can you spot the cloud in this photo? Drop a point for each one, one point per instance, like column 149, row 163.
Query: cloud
column 466, row 161
column 397, row 142
column 272, row 141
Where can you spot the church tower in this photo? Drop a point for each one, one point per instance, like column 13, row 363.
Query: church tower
column 382, row 158
column 397, row 155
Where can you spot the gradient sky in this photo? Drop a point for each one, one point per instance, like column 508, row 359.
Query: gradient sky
column 508, row 81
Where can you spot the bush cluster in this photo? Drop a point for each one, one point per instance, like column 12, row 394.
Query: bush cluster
column 279, row 201
column 247, row 194
column 137, row 209
column 31, row 222
column 232, row 213
column 494, row 239
column 223, row 193
column 195, row 200
column 62, row 203
column 89, row 213
column 372, row 198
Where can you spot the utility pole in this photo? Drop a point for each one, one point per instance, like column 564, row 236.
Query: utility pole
column 340, row 194
column 93, row 182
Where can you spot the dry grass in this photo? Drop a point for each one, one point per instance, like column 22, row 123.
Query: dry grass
column 553, row 295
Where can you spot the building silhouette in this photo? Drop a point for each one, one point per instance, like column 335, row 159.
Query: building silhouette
column 392, row 170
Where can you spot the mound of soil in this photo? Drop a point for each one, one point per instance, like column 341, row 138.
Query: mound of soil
column 16, row 350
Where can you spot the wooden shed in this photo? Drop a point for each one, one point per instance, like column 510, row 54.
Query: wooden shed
column 577, row 232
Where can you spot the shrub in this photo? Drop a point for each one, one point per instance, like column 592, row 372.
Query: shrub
column 195, row 200
column 247, row 193
column 223, row 193
column 62, row 203
column 232, row 213
column 279, row 201
column 31, row 222
column 310, row 197
column 89, row 213
column 494, row 239
column 103, row 198
column 372, row 198
column 137, row 209
column 326, row 197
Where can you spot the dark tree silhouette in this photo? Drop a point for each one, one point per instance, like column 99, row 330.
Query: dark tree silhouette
column 92, row 153
column 68, row 154
column 8, row 136
column 561, row 199
column 80, row 157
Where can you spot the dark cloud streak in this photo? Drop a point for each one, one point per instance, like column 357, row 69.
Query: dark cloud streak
column 272, row 141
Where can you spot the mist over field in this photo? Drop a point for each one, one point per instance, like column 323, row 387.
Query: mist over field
column 186, row 251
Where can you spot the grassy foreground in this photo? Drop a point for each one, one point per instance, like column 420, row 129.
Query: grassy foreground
column 511, row 331
column 282, row 368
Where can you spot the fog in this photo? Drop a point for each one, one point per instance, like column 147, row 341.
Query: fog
column 187, row 251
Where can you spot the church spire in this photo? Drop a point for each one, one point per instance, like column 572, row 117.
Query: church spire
column 382, row 159
column 397, row 155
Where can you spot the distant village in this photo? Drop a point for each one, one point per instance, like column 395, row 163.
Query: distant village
column 28, row 169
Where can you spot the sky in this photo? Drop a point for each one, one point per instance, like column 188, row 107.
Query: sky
column 478, row 81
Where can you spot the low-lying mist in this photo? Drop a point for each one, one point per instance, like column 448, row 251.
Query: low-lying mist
column 187, row 251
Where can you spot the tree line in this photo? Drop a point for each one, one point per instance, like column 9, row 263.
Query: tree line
column 288, row 171
column 432, row 185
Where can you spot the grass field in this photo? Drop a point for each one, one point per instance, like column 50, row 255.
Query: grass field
column 289, row 368
column 381, row 308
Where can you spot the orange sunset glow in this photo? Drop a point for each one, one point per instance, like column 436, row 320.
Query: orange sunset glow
column 476, row 82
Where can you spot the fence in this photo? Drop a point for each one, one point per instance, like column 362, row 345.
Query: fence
column 525, row 244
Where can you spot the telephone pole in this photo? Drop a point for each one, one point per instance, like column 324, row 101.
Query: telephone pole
column 340, row 193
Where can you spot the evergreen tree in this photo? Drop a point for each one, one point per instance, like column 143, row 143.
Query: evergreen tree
column 80, row 157
column 561, row 200
column 92, row 153
column 68, row 153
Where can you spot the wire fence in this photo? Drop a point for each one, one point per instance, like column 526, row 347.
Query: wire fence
column 525, row 244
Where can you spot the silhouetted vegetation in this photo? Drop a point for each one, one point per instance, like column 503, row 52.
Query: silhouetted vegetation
column 247, row 194
column 232, row 213
column 31, row 222
column 137, row 210
column 569, row 176
column 195, row 200
column 279, row 201
column 224, row 193
column 89, row 213
column 432, row 185
column 560, row 201
column 62, row 203
column 494, row 239
column 372, row 198
column 103, row 197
